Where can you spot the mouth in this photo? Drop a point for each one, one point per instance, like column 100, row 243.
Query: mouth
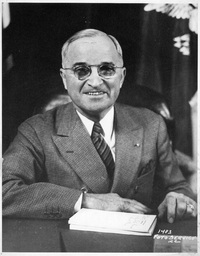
column 96, row 93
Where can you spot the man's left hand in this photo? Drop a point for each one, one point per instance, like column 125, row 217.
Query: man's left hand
column 177, row 206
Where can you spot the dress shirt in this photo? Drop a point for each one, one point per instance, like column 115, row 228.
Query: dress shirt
column 107, row 125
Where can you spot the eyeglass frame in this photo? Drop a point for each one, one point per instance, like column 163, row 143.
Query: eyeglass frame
column 90, row 70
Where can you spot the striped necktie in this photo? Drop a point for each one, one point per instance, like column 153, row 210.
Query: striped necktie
column 103, row 148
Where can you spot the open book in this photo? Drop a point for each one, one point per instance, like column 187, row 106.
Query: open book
column 113, row 222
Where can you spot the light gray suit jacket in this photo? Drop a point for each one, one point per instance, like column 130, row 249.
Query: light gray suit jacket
column 52, row 158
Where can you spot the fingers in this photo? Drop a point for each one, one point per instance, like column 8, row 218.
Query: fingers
column 162, row 209
column 177, row 206
column 171, row 209
column 192, row 207
column 134, row 206
column 113, row 202
column 168, row 208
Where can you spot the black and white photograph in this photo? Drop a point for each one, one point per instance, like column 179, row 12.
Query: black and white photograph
column 99, row 127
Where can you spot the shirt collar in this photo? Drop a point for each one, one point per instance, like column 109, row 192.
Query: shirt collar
column 106, row 123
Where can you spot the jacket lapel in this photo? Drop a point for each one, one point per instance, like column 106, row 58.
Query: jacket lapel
column 75, row 145
column 129, row 135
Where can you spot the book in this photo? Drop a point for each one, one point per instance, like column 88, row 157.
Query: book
column 113, row 222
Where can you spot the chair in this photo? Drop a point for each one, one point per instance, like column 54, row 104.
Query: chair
column 51, row 100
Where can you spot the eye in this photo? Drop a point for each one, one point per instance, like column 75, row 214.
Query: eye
column 81, row 71
column 107, row 70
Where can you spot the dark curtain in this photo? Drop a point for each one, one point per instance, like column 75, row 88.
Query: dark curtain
column 168, row 64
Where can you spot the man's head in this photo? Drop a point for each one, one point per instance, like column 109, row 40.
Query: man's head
column 92, row 71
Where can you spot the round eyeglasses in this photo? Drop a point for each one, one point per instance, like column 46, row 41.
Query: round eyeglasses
column 84, row 71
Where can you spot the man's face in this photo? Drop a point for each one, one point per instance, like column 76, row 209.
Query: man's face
column 95, row 95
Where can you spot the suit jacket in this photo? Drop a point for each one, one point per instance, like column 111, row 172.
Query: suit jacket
column 52, row 158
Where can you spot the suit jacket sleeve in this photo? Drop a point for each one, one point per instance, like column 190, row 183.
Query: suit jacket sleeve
column 26, row 190
column 168, row 173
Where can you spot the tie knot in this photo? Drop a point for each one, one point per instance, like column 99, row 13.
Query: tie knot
column 97, row 130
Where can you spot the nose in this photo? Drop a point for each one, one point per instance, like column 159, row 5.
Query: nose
column 94, row 79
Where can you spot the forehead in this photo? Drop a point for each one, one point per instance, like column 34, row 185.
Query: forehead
column 92, row 50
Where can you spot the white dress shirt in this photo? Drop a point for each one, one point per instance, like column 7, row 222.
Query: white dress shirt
column 107, row 126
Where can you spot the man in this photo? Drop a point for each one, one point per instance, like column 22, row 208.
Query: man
column 56, row 163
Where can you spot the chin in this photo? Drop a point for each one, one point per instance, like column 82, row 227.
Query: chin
column 99, row 112
column 95, row 109
column 98, row 107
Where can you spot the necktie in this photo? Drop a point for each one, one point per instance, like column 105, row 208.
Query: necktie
column 103, row 149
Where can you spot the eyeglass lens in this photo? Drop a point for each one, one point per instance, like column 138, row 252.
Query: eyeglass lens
column 82, row 72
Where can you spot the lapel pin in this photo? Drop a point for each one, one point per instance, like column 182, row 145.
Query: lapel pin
column 137, row 145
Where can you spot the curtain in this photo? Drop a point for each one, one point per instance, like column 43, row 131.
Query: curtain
column 168, row 61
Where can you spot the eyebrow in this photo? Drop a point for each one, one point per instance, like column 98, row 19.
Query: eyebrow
column 84, row 63
column 79, row 64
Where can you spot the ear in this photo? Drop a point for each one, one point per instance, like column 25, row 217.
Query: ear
column 62, row 74
column 122, row 77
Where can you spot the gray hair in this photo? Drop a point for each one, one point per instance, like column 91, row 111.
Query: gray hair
column 89, row 33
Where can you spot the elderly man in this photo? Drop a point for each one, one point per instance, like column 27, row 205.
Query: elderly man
column 93, row 152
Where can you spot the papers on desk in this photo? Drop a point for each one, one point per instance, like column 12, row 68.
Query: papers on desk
column 113, row 222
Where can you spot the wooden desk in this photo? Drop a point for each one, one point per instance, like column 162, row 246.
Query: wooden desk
column 25, row 235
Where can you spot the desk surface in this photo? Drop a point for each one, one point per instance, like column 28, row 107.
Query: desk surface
column 25, row 235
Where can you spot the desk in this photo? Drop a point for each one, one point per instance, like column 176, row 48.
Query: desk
column 25, row 235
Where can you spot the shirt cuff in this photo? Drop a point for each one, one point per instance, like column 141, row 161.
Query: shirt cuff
column 78, row 204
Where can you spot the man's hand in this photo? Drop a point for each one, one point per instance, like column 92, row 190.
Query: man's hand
column 177, row 206
column 113, row 202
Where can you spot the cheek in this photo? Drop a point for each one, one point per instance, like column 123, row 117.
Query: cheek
column 115, row 88
column 72, row 86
